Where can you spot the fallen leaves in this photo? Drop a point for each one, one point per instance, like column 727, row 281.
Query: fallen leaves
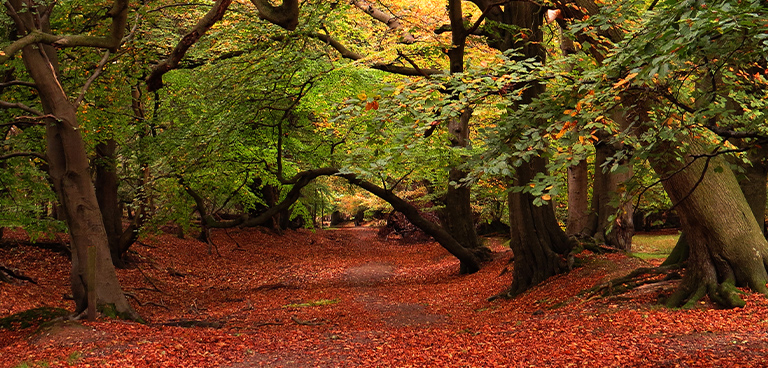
column 365, row 301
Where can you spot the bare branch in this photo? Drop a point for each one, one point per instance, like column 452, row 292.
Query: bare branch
column 155, row 79
column 391, row 21
column 96, row 73
column 24, row 154
column 21, row 106
column 348, row 54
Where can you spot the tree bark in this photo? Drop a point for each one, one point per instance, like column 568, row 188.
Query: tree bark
column 69, row 171
column 753, row 183
column 578, row 200
column 726, row 246
column 606, row 203
column 537, row 241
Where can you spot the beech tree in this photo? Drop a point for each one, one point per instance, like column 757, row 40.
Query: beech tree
column 689, row 93
column 93, row 277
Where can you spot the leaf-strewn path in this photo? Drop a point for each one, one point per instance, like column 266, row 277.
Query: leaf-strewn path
column 346, row 298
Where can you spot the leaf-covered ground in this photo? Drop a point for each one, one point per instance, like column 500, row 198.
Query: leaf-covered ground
column 346, row 298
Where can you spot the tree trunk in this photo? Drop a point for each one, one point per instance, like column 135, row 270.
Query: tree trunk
column 106, row 183
column 457, row 217
column 606, row 202
column 726, row 245
column 753, row 183
column 537, row 241
column 578, row 200
column 72, row 182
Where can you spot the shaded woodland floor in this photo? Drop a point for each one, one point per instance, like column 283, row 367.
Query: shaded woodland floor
column 347, row 298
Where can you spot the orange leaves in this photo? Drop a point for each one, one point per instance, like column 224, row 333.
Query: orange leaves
column 566, row 126
column 373, row 105
column 624, row 81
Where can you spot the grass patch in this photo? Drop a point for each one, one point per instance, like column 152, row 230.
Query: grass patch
column 74, row 357
column 312, row 303
column 653, row 246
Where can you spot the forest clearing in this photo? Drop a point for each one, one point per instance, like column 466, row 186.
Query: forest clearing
column 349, row 298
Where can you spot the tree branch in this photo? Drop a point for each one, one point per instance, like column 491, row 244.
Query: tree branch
column 391, row 21
column 118, row 13
column 347, row 54
column 96, row 73
column 20, row 106
column 285, row 15
column 155, row 79
column 17, row 83
column 24, row 154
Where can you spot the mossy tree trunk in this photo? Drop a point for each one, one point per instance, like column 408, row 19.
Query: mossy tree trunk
column 726, row 244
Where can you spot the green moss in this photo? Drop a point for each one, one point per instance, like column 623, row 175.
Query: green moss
column 32, row 317
column 111, row 311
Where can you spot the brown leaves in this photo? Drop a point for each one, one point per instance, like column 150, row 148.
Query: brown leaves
column 409, row 308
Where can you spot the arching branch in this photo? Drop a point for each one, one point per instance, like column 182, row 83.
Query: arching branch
column 155, row 79
column 348, row 54
column 391, row 21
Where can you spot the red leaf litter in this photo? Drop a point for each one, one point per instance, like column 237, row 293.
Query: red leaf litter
column 347, row 298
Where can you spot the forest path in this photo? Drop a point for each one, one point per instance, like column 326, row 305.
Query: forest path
column 348, row 298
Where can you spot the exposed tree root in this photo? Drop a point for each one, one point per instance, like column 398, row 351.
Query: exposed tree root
column 7, row 274
column 312, row 322
column 146, row 303
column 633, row 280
column 725, row 293
column 194, row 323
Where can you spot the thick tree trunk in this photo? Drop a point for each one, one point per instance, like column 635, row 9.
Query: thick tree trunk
column 72, row 182
column 606, row 203
column 537, row 241
column 578, row 200
column 753, row 183
column 726, row 245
